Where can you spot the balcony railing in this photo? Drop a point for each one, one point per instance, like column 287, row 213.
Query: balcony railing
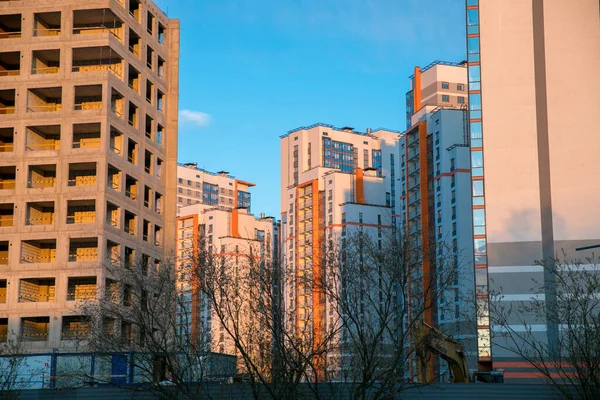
column 6, row 220
column 45, row 70
column 75, row 333
column 83, row 181
column 37, row 259
column 87, row 256
column 43, row 146
column 90, row 105
column 87, row 144
column 117, row 70
column 10, row 35
column 10, row 72
column 90, row 30
column 7, row 110
column 35, row 337
column 80, row 219
column 46, row 32
column 42, row 183
column 7, row 184
column 47, row 108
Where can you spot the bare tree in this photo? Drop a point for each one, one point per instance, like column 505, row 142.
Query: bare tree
column 571, row 362
column 135, row 319
column 13, row 378
column 242, row 293
column 378, row 290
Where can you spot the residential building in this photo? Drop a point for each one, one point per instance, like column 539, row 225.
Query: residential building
column 334, row 181
column 435, row 188
column 239, row 242
column 198, row 186
column 533, row 150
column 439, row 84
column 88, row 137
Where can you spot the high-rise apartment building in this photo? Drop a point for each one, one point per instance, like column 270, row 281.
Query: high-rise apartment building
column 88, row 144
column 533, row 69
column 333, row 181
column 435, row 189
column 198, row 186
column 230, row 237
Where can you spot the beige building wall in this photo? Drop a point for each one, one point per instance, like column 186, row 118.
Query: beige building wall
column 539, row 64
column 81, row 186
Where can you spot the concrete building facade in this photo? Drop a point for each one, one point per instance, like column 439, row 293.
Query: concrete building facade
column 88, row 143
column 230, row 236
column 533, row 148
column 436, row 193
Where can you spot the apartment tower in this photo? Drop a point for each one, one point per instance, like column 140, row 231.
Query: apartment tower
column 231, row 235
column 533, row 67
column 88, row 142
column 333, row 181
column 436, row 195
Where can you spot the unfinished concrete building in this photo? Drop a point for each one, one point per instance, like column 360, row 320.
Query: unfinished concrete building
column 88, row 143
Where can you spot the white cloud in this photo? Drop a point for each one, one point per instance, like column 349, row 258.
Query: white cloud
column 196, row 118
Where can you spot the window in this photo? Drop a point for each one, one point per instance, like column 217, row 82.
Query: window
column 460, row 86
column 445, row 98
column 461, row 99
column 445, row 85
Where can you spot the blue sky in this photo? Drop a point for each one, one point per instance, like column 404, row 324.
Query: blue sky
column 253, row 69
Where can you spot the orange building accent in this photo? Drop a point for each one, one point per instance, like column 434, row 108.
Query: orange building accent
column 417, row 90
column 235, row 218
column 360, row 186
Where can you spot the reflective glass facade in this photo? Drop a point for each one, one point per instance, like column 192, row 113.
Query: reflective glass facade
column 339, row 155
column 478, row 183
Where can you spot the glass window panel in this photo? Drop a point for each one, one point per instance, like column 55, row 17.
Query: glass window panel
column 477, row 188
column 478, row 201
column 475, row 86
column 473, row 17
column 472, row 30
column 479, row 230
column 477, row 159
column 475, row 101
column 477, row 171
column 476, row 143
column 472, row 3
column 480, row 260
column 475, row 114
column 483, row 313
column 474, row 73
column 479, row 245
column 473, row 45
column 481, row 276
column 479, row 217
column 475, row 130
column 473, row 57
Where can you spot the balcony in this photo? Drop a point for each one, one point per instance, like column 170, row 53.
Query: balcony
column 131, row 187
column 117, row 104
column 81, row 288
column 161, row 68
column 82, row 174
column 97, row 21
column 40, row 213
column 113, row 253
column 7, row 101
column 149, row 91
column 159, row 168
column 147, row 197
column 160, row 101
column 2, row 294
column 86, row 136
column 158, row 203
column 41, row 176
column 93, row 59
column 83, row 250
column 44, row 100
column 40, row 138
column 112, row 215
column 46, row 24
column 116, row 141
column 80, row 212
column 10, row 63
column 158, row 235
column 149, row 127
column 88, row 98
column 150, row 23
column 133, row 115
column 37, row 290
column 114, row 178
column 38, row 251
column 135, row 46
column 132, row 151
column 10, row 26
column 130, row 223
column 75, row 327
column 7, row 140
column 7, row 215
column 4, row 252
column 133, row 79
column 3, row 329
column 161, row 33
column 146, row 229
column 129, row 258
column 160, row 132
column 148, row 162
column 35, row 329
column 135, row 10
column 45, row 62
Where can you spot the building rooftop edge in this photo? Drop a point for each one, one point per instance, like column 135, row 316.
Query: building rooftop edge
column 368, row 133
column 196, row 168
column 439, row 62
